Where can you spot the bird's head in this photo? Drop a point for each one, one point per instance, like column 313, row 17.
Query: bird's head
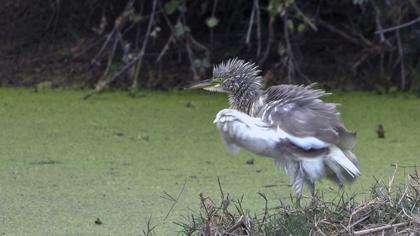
column 231, row 75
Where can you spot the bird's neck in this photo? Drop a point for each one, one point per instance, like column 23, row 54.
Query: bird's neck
column 244, row 98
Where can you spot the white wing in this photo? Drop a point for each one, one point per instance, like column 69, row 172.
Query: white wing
column 254, row 134
column 240, row 130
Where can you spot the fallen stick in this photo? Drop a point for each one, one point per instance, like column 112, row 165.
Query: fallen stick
column 385, row 227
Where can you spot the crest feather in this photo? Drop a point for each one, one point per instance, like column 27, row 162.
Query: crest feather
column 237, row 67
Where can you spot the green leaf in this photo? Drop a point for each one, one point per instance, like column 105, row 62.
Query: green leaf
column 206, row 62
column 197, row 63
column 136, row 18
column 275, row 7
column 181, row 29
column 290, row 25
column 212, row 22
column 171, row 6
column 287, row 3
column 301, row 27
column 201, row 63
column 115, row 67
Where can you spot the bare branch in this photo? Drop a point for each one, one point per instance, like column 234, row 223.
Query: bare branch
column 270, row 39
column 415, row 5
column 378, row 20
column 340, row 32
column 305, row 18
column 250, row 24
column 257, row 11
column 290, row 56
column 191, row 58
column 140, row 56
column 119, row 23
column 398, row 26
column 174, row 200
column 401, row 59
column 165, row 48
column 213, row 11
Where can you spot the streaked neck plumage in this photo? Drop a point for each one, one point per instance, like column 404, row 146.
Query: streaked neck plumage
column 244, row 98
column 242, row 80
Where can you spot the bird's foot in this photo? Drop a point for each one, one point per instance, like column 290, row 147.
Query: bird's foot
column 297, row 202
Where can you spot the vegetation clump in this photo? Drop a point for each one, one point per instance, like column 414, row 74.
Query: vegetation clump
column 388, row 209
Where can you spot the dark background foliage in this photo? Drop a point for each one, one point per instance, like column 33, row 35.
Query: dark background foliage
column 169, row 43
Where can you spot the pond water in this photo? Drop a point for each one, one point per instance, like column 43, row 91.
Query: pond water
column 65, row 162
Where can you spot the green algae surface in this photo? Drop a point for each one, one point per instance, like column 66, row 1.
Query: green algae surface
column 107, row 165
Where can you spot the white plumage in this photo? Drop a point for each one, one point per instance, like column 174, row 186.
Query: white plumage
column 287, row 123
column 240, row 130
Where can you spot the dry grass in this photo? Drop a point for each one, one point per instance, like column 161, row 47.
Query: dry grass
column 390, row 209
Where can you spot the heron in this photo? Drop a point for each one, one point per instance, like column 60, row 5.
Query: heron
column 289, row 123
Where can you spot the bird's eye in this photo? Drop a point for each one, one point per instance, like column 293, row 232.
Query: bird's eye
column 216, row 80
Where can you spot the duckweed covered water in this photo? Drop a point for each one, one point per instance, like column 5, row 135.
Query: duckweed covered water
column 65, row 162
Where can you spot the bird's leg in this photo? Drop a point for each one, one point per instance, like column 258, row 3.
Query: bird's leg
column 297, row 202
column 298, row 184
column 311, row 186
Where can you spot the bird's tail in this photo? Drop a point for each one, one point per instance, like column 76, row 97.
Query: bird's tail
column 343, row 165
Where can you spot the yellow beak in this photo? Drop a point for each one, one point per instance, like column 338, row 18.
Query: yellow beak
column 212, row 85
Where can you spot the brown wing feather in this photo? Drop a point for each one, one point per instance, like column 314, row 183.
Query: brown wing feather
column 298, row 111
